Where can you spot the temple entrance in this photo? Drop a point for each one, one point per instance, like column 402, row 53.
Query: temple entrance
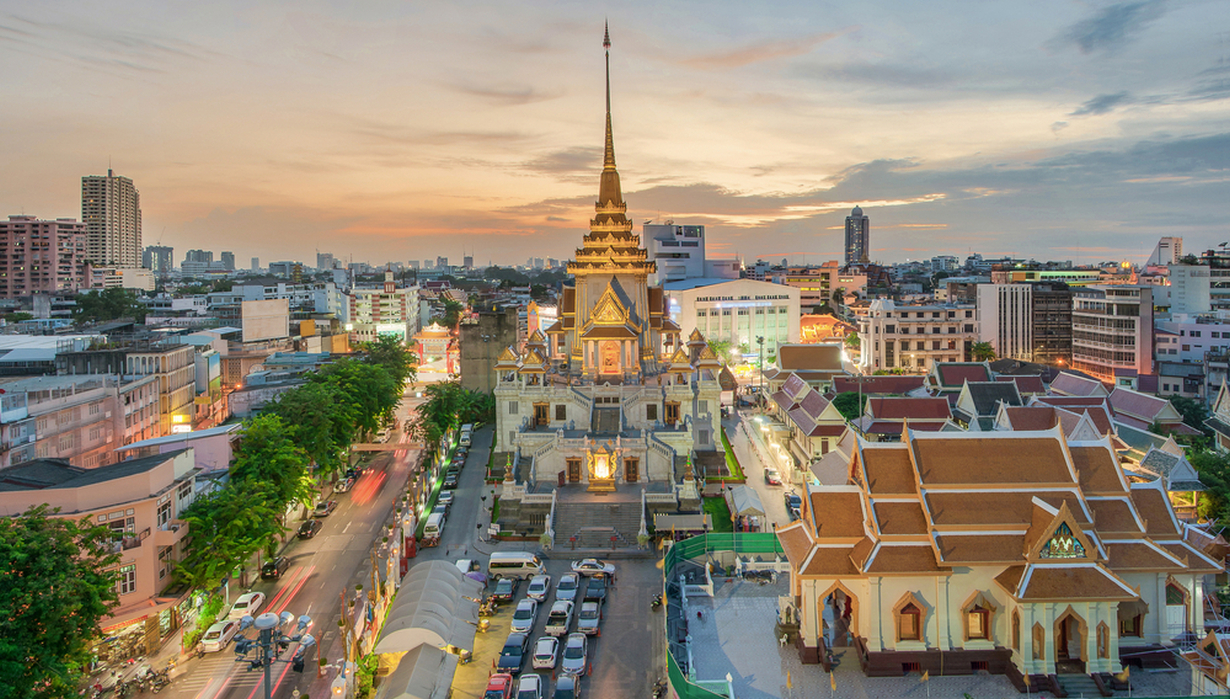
column 1070, row 634
column 609, row 362
column 632, row 470
column 838, row 617
column 1176, row 610
column 540, row 415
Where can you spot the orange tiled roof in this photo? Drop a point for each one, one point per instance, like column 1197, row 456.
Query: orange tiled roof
column 971, row 461
column 900, row 518
column 1098, row 470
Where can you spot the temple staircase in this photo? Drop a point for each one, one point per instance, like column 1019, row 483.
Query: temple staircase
column 594, row 523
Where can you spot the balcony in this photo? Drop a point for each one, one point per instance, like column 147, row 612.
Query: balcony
column 170, row 533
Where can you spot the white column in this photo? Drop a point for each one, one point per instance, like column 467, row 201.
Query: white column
column 942, row 614
column 1048, row 633
column 1196, row 610
column 1158, row 610
column 871, row 609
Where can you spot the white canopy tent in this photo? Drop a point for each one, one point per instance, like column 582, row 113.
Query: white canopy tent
column 743, row 500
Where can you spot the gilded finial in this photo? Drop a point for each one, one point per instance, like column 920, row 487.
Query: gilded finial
column 606, row 36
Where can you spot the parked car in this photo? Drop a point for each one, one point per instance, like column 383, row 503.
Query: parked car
column 217, row 636
column 500, row 686
column 445, row 497
column 567, row 586
column 596, row 589
column 323, row 509
column 344, row 486
column 273, row 569
column 450, row 480
column 310, row 528
column 771, row 477
column 567, row 687
column 530, row 687
column 575, row 657
column 513, row 653
column 794, row 505
column 249, row 603
column 505, row 589
column 540, row 587
column 545, row 651
column 589, row 617
column 590, row 566
column 524, row 617
column 560, row 618
column 441, row 510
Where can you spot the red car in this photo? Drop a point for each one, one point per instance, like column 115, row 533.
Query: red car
column 500, row 686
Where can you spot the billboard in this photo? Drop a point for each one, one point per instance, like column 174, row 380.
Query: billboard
column 265, row 320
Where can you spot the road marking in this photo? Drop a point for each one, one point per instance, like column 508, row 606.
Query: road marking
column 348, row 526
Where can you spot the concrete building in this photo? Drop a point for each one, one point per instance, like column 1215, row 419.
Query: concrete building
column 324, row 261
column 816, row 284
column 1005, row 319
column 1189, row 338
column 738, row 311
column 914, row 338
column 1169, row 250
column 858, row 237
column 481, row 343
column 679, row 253
column 111, row 210
column 945, row 263
column 73, row 418
column 141, row 501
column 256, row 264
column 1112, row 331
column 1052, row 322
column 386, row 310
column 203, row 256
column 173, row 364
column 1190, row 289
column 159, row 259
column 121, row 278
column 41, row 257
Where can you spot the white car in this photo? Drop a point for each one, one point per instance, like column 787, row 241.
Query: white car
column 567, row 586
column 545, row 652
column 560, row 618
column 247, row 604
column 540, row 587
column 590, row 566
column 574, row 654
column 524, row 617
column 587, row 620
column 530, row 687
column 217, row 636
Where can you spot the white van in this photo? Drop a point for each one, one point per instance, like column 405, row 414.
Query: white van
column 514, row 564
column 467, row 434
column 433, row 529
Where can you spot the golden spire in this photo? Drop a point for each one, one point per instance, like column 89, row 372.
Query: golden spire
column 609, row 192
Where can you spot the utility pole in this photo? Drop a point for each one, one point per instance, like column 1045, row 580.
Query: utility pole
column 270, row 641
column 760, row 341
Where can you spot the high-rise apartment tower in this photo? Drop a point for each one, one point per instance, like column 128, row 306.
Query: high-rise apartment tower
column 858, row 236
column 111, row 211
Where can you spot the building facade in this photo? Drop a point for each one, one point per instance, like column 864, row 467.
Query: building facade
column 818, row 284
column 174, row 365
column 73, row 418
column 1005, row 319
column 738, row 311
column 1112, row 330
column 1052, row 322
column 111, row 211
column 914, row 338
column 481, row 343
column 159, row 259
column 388, row 310
column 41, row 257
column 858, row 237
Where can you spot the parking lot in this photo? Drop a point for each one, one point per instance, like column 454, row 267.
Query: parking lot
column 624, row 660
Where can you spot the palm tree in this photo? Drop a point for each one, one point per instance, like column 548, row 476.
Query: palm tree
column 982, row 352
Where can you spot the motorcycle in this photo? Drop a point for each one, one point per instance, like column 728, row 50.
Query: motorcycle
column 656, row 602
column 659, row 689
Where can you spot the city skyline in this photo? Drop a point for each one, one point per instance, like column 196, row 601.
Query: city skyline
column 1069, row 131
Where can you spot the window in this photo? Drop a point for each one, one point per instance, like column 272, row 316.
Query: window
column 1131, row 619
column 651, row 411
column 164, row 513
column 1103, row 640
column 1039, row 641
column 561, row 412
column 128, row 579
column 909, row 623
column 672, row 413
column 978, row 623
column 512, row 407
column 1016, row 629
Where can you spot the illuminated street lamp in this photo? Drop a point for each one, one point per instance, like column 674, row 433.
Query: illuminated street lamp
column 270, row 641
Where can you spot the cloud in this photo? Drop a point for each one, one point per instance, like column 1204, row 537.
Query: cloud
column 758, row 52
column 1058, row 126
column 1213, row 83
column 878, row 74
column 1103, row 104
column 580, row 160
column 1113, row 27
column 506, row 95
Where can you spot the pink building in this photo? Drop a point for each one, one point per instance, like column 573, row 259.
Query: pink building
column 141, row 502
column 41, row 257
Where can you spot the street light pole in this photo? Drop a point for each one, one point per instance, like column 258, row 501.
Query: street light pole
column 760, row 341
column 270, row 639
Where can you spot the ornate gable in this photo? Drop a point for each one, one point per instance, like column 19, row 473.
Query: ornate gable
column 1061, row 539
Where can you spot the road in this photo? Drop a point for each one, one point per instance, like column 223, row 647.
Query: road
column 320, row 570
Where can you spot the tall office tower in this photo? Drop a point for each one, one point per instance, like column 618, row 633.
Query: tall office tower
column 256, row 264
column 204, row 256
column 324, row 261
column 228, row 261
column 467, row 262
column 858, row 236
column 158, row 259
column 1168, row 251
column 111, row 211
column 441, row 262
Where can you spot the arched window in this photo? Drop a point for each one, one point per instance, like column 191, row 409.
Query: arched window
column 978, row 622
column 1103, row 640
column 1039, row 641
column 909, row 623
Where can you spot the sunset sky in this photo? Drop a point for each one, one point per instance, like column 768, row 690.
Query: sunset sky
column 407, row 130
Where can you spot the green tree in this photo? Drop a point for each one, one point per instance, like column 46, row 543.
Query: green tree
column 108, row 304
column 1194, row 413
column 452, row 312
column 225, row 529
column 848, row 405
column 267, row 455
column 852, row 341
column 57, row 586
column 389, row 352
column 722, row 348
column 369, row 390
column 321, row 421
column 839, row 296
column 538, row 292
column 446, row 406
column 982, row 352
column 18, row 316
column 1214, row 471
